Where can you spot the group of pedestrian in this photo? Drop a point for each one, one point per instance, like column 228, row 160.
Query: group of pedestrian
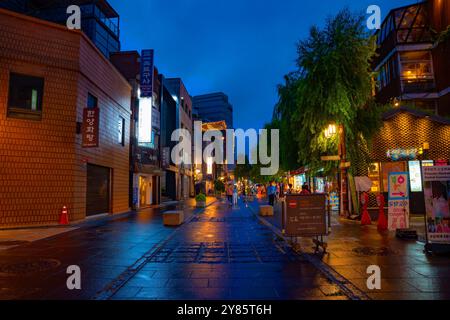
column 275, row 191
column 232, row 194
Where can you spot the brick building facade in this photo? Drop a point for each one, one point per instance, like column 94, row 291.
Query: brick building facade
column 43, row 165
column 408, row 140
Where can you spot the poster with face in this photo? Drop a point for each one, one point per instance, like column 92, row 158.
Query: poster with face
column 437, row 203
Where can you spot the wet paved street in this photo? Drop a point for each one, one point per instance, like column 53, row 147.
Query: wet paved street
column 225, row 253
column 221, row 253
column 406, row 271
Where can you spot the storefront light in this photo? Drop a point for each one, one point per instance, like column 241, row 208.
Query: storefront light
column 330, row 131
column 145, row 121
column 209, row 165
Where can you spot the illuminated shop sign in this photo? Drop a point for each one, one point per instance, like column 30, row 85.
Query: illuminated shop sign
column 145, row 121
column 209, row 165
column 405, row 154
column 147, row 68
column 415, row 176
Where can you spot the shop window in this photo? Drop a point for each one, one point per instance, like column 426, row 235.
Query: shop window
column 374, row 175
column 92, row 101
column 25, row 96
column 121, row 131
column 417, row 71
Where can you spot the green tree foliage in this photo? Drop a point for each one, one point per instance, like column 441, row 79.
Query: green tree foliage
column 333, row 84
column 219, row 186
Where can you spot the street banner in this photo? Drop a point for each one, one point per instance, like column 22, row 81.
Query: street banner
column 437, row 195
column 306, row 215
column 398, row 200
column 90, row 127
column 147, row 67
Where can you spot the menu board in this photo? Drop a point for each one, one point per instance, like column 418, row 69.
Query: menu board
column 306, row 215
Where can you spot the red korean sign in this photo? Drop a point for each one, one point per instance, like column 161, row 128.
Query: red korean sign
column 90, row 128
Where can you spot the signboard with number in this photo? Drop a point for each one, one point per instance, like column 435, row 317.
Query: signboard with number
column 398, row 199
column 437, row 194
column 147, row 68
column 90, row 127
column 306, row 215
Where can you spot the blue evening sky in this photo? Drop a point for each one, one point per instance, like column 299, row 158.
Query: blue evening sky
column 240, row 47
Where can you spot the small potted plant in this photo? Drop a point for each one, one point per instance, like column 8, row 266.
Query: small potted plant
column 200, row 200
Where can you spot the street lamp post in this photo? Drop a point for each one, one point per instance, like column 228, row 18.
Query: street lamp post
column 331, row 131
column 344, row 207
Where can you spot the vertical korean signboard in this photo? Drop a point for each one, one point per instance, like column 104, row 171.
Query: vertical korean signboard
column 90, row 127
column 147, row 66
column 146, row 97
column 437, row 203
column 398, row 197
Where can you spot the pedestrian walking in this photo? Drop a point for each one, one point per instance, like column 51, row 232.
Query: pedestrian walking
column 230, row 194
column 271, row 192
column 235, row 196
column 305, row 189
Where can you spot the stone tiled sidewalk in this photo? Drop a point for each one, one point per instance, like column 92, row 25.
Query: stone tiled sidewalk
column 407, row 272
column 224, row 253
column 103, row 249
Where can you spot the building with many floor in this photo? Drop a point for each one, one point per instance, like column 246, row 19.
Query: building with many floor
column 413, row 63
column 64, row 125
column 145, row 132
column 213, row 107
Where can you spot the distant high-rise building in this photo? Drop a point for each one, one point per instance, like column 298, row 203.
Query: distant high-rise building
column 213, row 107
column 99, row 20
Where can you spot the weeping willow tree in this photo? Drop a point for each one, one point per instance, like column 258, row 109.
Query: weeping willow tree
column 333, row 84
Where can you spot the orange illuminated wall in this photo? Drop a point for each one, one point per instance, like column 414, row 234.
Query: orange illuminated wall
column 42, row 164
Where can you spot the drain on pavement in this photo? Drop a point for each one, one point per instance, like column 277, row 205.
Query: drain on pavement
column 28, row 267
column 371, row 251
column 222, row 252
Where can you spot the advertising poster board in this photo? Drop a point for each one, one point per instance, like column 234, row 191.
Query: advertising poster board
column 306, row 215
column 437, row 203
column 398, row 200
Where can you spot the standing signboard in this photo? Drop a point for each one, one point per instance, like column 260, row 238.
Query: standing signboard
column 306, row 215
column 90, row 127
column 437, row 203
column 398, row 199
